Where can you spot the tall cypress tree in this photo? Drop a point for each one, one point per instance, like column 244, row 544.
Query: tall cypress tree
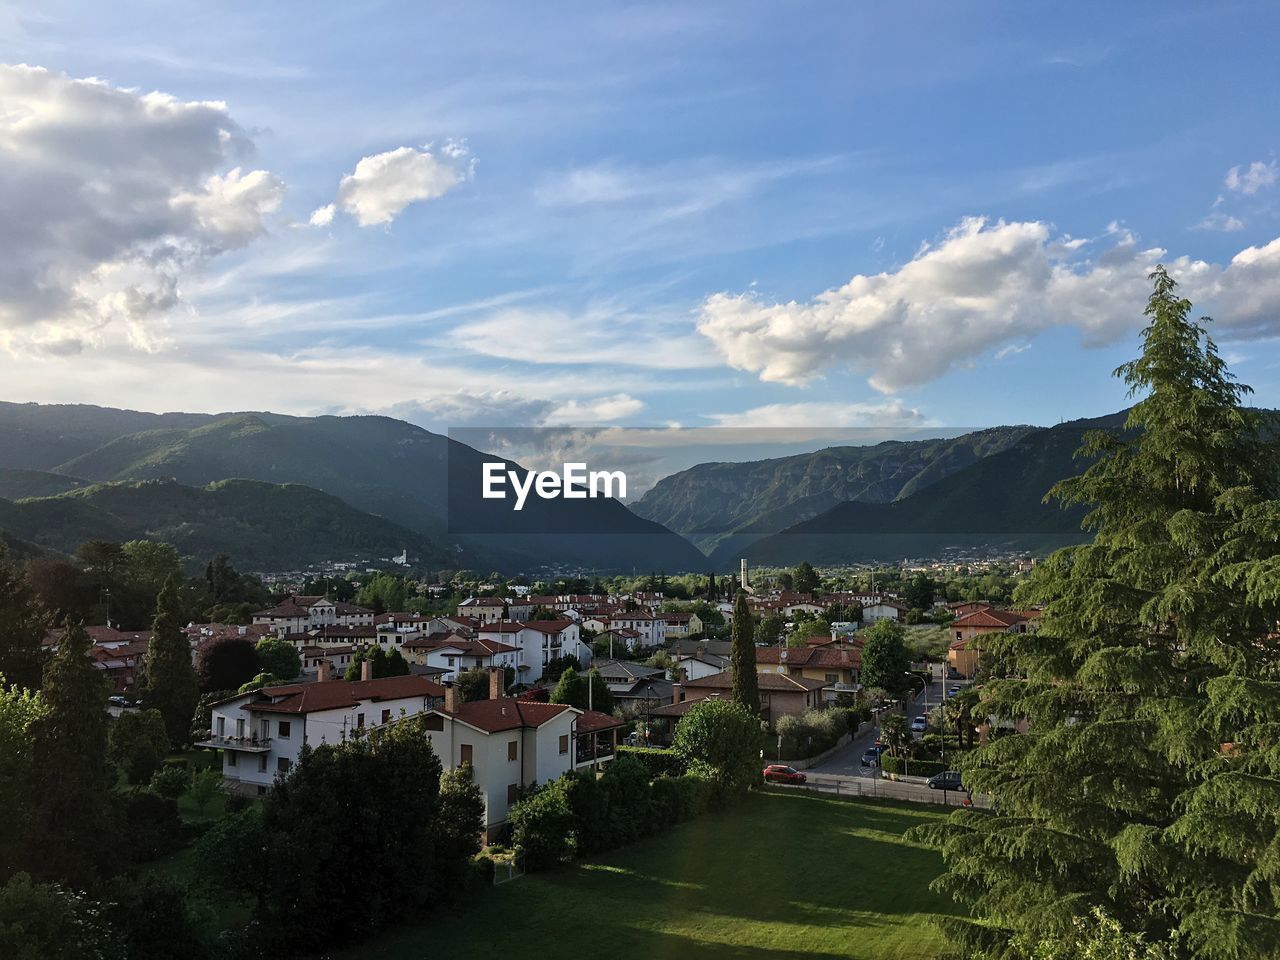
column 742, row 656
column 70, row 776
column 23, row 624
column 171, row 683
column 1148, row 784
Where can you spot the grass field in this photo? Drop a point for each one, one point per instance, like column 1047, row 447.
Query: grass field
column 785, row 875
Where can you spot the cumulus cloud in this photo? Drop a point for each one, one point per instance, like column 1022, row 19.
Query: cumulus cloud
column 1249, row 180
column 1217, row 220
column 597, row 410
column 383, row 184
column 985, row 285
column 107, row 196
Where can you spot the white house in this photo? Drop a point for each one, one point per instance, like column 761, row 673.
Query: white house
column 695, row 666
column 261, row 733
column 883, row 610
column 538, row 642
column 297, row 614
column 511, row 744
column 650, row 627
column 453, row 654
column 484, row 609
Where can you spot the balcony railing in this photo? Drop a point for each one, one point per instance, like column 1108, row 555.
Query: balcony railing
column 245, row 744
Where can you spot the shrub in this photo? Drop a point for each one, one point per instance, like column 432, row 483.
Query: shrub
column 719, row 740
column 157, row 921
column 155, row 828
column 812, row 732
column 45, row 921
column 676, row 799
column 172, row 780
column 658, row 761
column 542, row 826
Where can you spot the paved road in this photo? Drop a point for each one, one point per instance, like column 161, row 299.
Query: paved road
column 843, row 773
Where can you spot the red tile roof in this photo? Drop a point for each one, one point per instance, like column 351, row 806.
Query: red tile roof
column 995, row 619
column 771, row 682
column 810, row 657
column 507, row 713
column 340, row 694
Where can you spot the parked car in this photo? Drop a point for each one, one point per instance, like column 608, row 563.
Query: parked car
column 781, row 773
column 947, row 780
column 920, row 724
column 119, row 701
column 952, row 691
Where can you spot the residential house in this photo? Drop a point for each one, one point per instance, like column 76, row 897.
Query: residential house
column 514, row 744
column 297, row 614
column 836, row 666
column 884, row 610
column 631, row 682
column 453, row 654
column 538, row 642
column 965, row 650
column 681, row 625
column 780, row 694
column 261, row 734
column 695, row 666
column 484, row 609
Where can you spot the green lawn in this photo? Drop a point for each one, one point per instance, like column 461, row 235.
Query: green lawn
column 785, row 875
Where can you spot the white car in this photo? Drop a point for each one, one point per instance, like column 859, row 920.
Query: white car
column 920, row 724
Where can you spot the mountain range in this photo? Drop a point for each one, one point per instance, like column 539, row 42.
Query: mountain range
column 282, row 492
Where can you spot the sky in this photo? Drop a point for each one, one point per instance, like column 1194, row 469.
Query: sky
column 781, row 215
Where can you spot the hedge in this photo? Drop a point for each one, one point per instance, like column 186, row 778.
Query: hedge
column 658, row 761
column 915, row 768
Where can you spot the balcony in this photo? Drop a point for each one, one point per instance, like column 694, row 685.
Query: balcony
column 241, row 744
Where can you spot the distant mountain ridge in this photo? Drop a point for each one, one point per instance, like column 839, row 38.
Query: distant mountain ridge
column 378, row 465
column 731, row 504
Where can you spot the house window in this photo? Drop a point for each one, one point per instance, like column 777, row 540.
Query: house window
column 464, row 753
column 959, row 635
column 283, row 764
column 231, row 758
column 283, row 729
column 262, row 763
column 513, row 793
column 564, row 744
column 359, row 720
column 386, row 715
column 449, row 661
column 222, row 726
column 512, row 750
column 833, row 677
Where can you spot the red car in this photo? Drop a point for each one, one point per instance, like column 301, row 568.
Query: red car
column 780, row 773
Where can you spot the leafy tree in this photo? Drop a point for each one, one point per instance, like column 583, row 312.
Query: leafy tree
column 570, row 688
column 719, row 741
column 137, row 744
column 385, row 664
column 1148, row 784
column 279, row 657
column 459, row 826
column 206, row 785
column 226, row 663
column 805, row 579
column 769, row 630
column 146, row 566
column 258, row 682
column 70, row 775
column 63, row 588
column 885, row 660
column 543, row 826
column 742, row 657
column 158, row 921
column 46, row 921
column 170, row 685
column 171, row 781
column 558, row 665
column 23, row 625
column 920, row 591
column 19, row 710
column 351, row 823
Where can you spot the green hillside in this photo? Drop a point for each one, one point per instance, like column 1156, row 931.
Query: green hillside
column 17, row 484
column 261, row 525
column 732, row 504
column 995, row 502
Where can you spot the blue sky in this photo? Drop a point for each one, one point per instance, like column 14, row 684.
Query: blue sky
column 738, row 214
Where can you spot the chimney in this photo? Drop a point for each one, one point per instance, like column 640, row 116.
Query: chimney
column 450, row 697
column 676, row 694
column 366, row 669
column 324, row 671
column 495, row 683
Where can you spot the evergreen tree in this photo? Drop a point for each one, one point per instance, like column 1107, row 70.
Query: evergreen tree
column 1148, row 785
column 742, row 657
column 805, row 578
column 70, row 776
column 170, row 679
column 23, row 624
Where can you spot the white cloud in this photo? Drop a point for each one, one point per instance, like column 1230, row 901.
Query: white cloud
column 1252, row 178
column 887, row 413
column 597, row 410
column 598, row 334
column 1218, row 220
column 383, row 184
column 982, row 287
column 108, row 196
column 1012, row 349
column 322, row 216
